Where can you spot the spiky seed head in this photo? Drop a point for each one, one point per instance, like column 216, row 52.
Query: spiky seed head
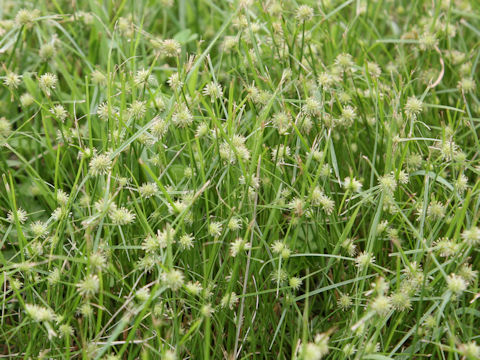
column 213, row 90
column 21, row 215
column 170, row 48
column 100, row 164
column 40, row 313
column 456, row 284
column 98, row 78
column 304, row 13
column 121, row 216
column 215, row 228
column 413, row 107
column 147, row 190
column 12, row 80
column 352, row 184
column 364, row 259
column 229, row 300
column 48, row 82
column 173, row 279
column 295, row 282
column 89, row 286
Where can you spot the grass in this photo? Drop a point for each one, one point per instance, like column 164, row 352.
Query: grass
column 241, row 179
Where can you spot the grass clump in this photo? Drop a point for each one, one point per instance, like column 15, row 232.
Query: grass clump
column 240, row 179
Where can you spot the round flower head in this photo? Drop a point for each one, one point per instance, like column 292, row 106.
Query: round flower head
column 456, row 284
column 186, row 241
column 14, row 284
column 21, row 215
column 325, row 80
column 349, row 246
column 471, row 236
column 374, row 70
column 182, row 117
column 297, row 205
column 194, row 288
column 304, row 13
column 364, row 259
column 315, row 350
column 446, row 247
column 344, row 301
column 352, row 184
column 12, row 80
column 348, row 115
column 414, row 161
column 206, row 310
column 436, row 210
column 312, row 107
column 311, row 351
column 295, row 283
column 98, row 78
column 148, row 190
column 413, row 107
column 5, row 128
column 349, row 349
column 26, row 17
column 59, row 112
column 104, row 111
column 145, row 78
column 26, row 100
column 470, row 350
column 388, row 183
column 381, row 305
column 278, row 246
column 175, row 82
column 344, row 61
column 47, row 51
column 403, row 177
column 173, row 279
column 47, row 82
column 159, row 127
column 89, row 286
column 86, row 310
column 279, row 276
column 58, row 213
column 170, row 48
column 125, row 26
column 39, row 229
column 229, row 300
column 238, row 246
column 98, row 261
column 461, row 184
column 280, row 153
column 142, row 294
column 121, row 216
column 100, row 165
column 327, row 204
column 282, row 121
column 152, row 244
column 229, row 43
column 137, row 109
column 226, row 153
column 234, row 224
column 213, row 90
column 179, row 206
column 372, row 347
column 65, row 330
column 215, row 229
column 40, row 313
column 467, row 84
column 428, row 41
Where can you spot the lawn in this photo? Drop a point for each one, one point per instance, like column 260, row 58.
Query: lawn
column 239, row 179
